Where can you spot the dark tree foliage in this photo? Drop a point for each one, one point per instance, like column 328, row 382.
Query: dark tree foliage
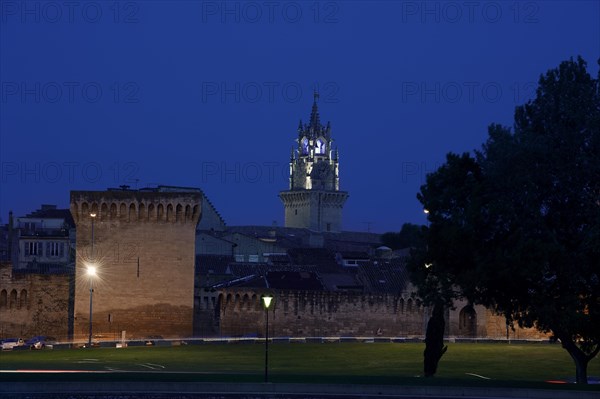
column 409, row 237
column 516, row 225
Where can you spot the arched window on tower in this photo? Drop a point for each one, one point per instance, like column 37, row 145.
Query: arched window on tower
column 123, row 216
column 467, row 321
column 169, row 213
column 320, row 146
column 151, row 213
column 304, row 145
column 104, row 211
column 132, row 217
column 94, row 208
column 13, row 299
column 3, row 298
column 23, row 300
column 142, row 212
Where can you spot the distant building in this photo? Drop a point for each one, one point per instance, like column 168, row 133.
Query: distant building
column 37, row 274
column 143, row 250
column 314, row 200
column 6, row 240
column 43, row 239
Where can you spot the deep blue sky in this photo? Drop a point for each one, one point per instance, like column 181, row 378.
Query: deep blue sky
column 99, row 94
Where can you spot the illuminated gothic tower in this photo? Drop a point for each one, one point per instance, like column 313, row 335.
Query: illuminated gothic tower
column 314, row 200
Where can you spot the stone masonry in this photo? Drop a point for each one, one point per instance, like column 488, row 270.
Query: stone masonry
column 143, row 250
column 239, row 312
column 34, row 303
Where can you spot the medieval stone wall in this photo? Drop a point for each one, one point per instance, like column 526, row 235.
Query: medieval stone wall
column 495, row 327
column 143, row 250
column 315, row 313
column 239, row 312
column 33, row 304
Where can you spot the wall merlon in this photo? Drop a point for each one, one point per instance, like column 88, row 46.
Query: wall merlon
column 134, row 206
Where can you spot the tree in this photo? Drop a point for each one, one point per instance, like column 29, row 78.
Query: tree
column 409, row 236
column 516, row 225
column 434, row 340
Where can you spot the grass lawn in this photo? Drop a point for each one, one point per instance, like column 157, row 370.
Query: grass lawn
column 528, row 365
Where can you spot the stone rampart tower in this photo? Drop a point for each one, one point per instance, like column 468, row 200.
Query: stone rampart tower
column 141, row 243
column 314, row 200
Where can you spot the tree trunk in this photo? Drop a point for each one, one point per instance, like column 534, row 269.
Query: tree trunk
column 579, row 357
column 434, row 340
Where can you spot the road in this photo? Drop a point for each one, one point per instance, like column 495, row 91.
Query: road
column 204, row 390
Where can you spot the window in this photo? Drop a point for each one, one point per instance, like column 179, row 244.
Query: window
column 320, row 147
column 55, row 249
column 23, row 299
column 252, row 258
column 33, row 248
column 3, row 298
column 13, row 299
column 304, row 144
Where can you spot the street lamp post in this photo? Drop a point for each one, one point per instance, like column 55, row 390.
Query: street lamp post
column 93, row 216
column 267, row 302
column 91, row 272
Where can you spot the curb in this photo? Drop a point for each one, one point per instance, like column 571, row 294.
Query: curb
column 306, row 390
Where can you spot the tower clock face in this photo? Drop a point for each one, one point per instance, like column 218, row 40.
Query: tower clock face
column 304, row 146
column 320, row 147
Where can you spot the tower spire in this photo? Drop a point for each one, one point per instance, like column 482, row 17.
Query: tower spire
column 315, row 120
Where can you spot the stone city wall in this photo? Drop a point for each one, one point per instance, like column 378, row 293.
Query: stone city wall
column 33, row 304
column 239, row 312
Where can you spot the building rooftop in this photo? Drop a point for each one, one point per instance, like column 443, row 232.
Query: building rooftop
column 291, row 237
column 384, row 276
column 51, row 212
column 294, row 280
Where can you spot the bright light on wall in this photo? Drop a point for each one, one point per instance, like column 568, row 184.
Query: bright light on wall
column 267, row 301
column 91, row 270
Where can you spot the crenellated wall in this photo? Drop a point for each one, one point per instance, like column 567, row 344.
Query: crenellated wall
column 239, row 312
column 312, row 313
column 143, row 249
column 33, row 304
column 135, row 206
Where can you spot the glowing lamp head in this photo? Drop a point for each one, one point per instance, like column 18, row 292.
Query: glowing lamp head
column 426, row 211
column 91, row 271
column 93, row 215
column 267, row 301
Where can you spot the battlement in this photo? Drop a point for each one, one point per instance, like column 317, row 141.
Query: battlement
column 136, row 206
column 306, row 197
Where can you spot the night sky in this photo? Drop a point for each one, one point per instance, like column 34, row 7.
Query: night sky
column 209, row 94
